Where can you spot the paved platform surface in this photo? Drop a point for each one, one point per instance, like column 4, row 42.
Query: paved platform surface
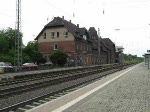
column 129, row 93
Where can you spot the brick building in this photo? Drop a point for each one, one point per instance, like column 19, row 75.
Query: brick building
column 80, row 44
column 108, row 52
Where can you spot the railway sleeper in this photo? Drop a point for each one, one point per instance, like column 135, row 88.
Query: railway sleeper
column 47, row 99
column 36, row 103
column 29, row 106
column 22, row 109
column 42, row 101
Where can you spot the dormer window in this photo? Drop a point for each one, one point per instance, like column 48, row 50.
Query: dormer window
column 84, row 37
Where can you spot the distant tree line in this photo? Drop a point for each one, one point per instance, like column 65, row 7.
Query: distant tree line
column 133, row 58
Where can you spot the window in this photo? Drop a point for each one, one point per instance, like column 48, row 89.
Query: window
column 81, row 47
column 55, row 46
column 44, row 35
column 46, row 57
column 77, row 46
column 57, row 34
column 84, row 37
column 66, row 34
column 52, row 34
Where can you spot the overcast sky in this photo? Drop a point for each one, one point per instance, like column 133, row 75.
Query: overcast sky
column 132, row 17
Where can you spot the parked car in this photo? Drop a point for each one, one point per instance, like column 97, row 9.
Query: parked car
column 48, row 64
column 6, row 67
column 8, row 63
column 29, row 66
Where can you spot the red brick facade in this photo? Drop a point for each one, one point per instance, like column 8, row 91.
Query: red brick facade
column 47, row 48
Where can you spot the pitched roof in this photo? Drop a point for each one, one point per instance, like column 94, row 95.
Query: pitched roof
column 57, row 21
column 82, row 31
column 92, row 32
column 103, row 45
column 108, row 42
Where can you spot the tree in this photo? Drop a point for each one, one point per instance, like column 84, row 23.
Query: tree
column 59, row 58
column 7, row 44
column 7, row 48
column 32, row 54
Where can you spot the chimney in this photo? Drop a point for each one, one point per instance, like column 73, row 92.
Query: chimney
column 70, row 21
column 63, row 17
column 78, row 25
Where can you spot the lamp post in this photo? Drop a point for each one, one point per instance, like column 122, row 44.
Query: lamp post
column 117, row 29
column 120, row 54
column 99, row 58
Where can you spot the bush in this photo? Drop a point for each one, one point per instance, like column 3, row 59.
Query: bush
column 59, row 58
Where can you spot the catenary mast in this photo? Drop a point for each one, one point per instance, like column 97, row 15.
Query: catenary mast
column 18, row 39
column 99, row 49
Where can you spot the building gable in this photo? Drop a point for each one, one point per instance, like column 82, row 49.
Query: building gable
column 60, row 22
column 55, row 34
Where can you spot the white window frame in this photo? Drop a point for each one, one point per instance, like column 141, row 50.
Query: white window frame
column 58, row 34
column 66, row 34
column 55, row 46
column 52, row 36
column 84, row 37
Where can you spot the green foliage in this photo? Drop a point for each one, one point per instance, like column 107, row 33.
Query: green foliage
column 133, row 59
column 59, row 58
column 7, row 48
column 7, row 45
column 32, row 51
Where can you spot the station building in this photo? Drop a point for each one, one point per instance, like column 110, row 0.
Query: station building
column 80, row 44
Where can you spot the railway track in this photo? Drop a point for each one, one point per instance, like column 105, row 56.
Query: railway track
column 53, row 85
column 38, row 76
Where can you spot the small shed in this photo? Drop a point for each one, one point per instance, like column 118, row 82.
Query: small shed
column 120, row 54
column 147, row 58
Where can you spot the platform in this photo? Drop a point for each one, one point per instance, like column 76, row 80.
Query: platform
column 124, row 91
column 129, row 93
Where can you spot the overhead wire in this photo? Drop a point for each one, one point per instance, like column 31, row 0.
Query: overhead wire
column 72, row 16
column 58, row 8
